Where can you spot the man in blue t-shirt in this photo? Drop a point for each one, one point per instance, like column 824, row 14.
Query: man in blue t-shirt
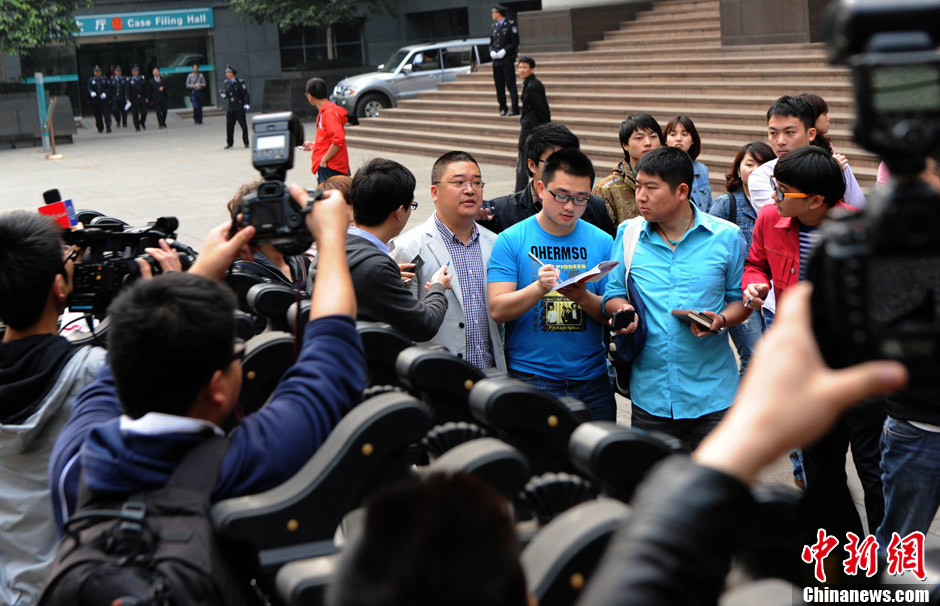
column 554, row 338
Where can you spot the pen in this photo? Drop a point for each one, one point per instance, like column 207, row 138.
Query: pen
column 536, row 259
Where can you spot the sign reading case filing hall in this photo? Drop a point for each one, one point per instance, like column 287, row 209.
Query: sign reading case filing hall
column 150, row 21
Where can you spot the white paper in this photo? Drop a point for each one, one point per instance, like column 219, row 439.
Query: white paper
column 592, row 275
column 127, row 106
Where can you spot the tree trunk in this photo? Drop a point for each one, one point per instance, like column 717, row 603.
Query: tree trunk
column 330, row 54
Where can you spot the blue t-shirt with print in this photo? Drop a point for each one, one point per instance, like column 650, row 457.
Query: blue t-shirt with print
column 555, row 338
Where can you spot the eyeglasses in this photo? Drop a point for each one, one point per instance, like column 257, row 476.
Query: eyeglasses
column 71, row 253
column 781, row 194
column 564, row 199
column 460, row 184
column 413, row 205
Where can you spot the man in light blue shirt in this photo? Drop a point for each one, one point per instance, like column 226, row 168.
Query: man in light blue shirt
column 686, row 376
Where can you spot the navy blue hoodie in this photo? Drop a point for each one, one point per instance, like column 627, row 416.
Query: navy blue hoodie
column 266, row 449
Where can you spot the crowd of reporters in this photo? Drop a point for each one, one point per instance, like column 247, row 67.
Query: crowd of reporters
column 120, row 421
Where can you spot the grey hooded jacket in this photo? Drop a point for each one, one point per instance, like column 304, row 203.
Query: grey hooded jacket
column 28, row 537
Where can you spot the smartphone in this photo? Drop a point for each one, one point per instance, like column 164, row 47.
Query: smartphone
column 419, row 262
column 622, row 319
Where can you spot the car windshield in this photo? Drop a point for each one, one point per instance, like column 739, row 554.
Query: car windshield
column 392, row 64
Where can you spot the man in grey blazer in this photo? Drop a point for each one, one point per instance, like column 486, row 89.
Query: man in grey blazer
column 450, row 236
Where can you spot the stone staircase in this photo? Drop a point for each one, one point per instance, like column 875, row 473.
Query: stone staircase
column 668, row 61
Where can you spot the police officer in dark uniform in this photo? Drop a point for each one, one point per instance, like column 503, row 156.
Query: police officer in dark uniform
column 99, row 90
column 137, row 95
column 504, row 43
column 236, row 91
column 158, row 96
column 119, row 97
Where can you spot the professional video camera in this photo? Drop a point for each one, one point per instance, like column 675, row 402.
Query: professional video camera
column 108, row 260
column 277, row 218
column 876, row 274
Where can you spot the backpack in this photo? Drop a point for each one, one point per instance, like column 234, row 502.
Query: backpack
column 154, row 548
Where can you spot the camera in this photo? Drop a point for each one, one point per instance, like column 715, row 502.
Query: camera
column 108, row 261
column 276, row 217
column 876, row 273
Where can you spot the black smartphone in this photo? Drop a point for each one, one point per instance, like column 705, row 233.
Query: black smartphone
column 418, row 261
column 622, row 319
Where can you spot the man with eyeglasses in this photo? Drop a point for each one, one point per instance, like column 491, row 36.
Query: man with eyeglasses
column 383, row 193
column 451, row 238
column 560, row 353
column 40, row 376
column 806, row 184
column 174, row 377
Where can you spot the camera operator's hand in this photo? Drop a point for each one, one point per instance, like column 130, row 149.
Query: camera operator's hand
column 442, row 276
column 166, row 258
column 406, row 275
column 219, row 252
column 329, row 217
column 789, row 396
column 755, row 294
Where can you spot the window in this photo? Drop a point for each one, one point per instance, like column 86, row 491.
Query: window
column 458, row 56
column 434, row 26
column 306, row 47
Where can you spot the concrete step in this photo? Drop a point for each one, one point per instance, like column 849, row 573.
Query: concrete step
column 633, row 47
column 711, row 45
column 673, row 17
column 683, row 7
column 504, row 134
column 679, row 32
column 612, row 93
column 765, row 63
column 808, row 76
column 627, row 103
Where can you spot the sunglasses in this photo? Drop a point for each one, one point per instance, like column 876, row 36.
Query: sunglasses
column 781, row 194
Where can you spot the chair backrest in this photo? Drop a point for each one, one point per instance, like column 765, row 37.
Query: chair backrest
column 267, row 358
column 304, row 582
column 298, row 519
column 560, row 559
column 535, row 422
column 497, row 463
column 441, row 379
column 272, row 301
column 615, row 457
column 382, row 344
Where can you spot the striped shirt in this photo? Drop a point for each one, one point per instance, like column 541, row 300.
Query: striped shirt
column 809, row 238
column 467, row 262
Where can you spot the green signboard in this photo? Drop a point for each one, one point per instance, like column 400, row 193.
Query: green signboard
column 150, row 21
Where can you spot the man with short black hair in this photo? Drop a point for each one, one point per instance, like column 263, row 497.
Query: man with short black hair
column 196, row 82
column 99, row 91
column 807, row 183
column 554, row 337
column 330, row 157
column 158, row 96
column 791, row 123
column 383, row 194
column 451, row 238
column 40, row 376
column 506, row 211
column 397, row 559
column 685, row 376
column 639, row 135
column 535, row 111
column 175, row 376
column 504, row 43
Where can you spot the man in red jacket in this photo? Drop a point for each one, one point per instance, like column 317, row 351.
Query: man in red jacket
column 808, row 182
column 329, row 147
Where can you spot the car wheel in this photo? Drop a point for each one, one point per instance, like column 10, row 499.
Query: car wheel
column 371, row 106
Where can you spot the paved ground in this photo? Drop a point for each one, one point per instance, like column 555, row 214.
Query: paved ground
column 183, row 171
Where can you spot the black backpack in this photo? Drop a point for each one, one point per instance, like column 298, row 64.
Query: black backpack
column 154, row 548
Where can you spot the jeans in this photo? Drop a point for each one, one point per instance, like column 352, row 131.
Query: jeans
column 745, row 337
column 595, row 393
column 910, row 471
column 690, row 432
column 196, row 97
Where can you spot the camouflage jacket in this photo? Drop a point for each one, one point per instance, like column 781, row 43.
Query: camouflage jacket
column 618, row 190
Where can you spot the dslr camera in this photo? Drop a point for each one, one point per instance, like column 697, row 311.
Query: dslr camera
column 277, row 218
column 110, row 251
column 876, row 273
